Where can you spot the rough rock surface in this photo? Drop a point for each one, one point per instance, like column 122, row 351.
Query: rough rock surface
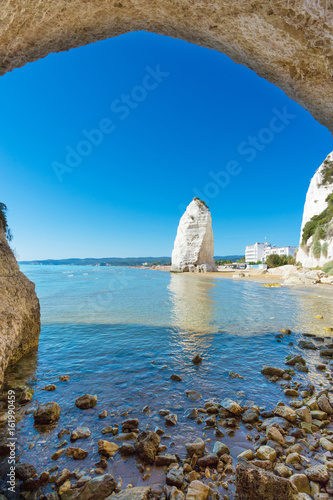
column 287, row 42
column 253, row 483
column 19, row 310
column 194, row 244
column 315, row 204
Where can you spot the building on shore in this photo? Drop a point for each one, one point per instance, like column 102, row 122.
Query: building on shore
column 260, row 251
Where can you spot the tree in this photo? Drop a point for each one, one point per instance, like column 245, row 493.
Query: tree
column 3, row 221
column 275, row 260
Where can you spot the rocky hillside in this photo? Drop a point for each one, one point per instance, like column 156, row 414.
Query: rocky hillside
column 19, row 309
column 316, row 240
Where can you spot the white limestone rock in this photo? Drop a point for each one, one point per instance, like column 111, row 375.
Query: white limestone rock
column 315, row 204
column 194, row 244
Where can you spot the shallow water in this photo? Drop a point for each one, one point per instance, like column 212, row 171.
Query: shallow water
column 120, row 333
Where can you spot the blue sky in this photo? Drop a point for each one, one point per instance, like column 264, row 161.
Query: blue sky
column 174, row 120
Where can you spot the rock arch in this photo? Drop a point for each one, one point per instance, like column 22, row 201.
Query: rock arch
column 288, row 42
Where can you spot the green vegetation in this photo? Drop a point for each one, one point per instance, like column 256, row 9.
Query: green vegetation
column 3, row 221
column 328, row 268
column 327, row 173
column 324, row 249
column 316, row 249
column 318, row 226
column 223, row 262
column 275, row 260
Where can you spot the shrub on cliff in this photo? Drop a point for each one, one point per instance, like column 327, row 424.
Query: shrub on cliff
column 316, row 249
column 328, row 268
column 3, row 221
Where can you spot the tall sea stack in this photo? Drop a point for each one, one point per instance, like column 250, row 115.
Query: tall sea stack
column 194, row 244
column 19, row 310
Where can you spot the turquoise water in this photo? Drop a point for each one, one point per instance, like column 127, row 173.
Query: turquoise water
column 120, row 333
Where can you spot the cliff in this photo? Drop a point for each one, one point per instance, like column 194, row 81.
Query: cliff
column 316, row 240
column 194, row 244
column 19, row 310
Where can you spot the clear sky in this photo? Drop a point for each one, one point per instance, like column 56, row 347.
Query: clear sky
column 173, row 121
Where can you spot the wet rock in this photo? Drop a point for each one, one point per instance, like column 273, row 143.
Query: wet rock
column 272, row 371
column 98, row 488
column 176, row 378
column 107, row 448
column 197, row 359
column 282, row 470
column 175, row 477
column 210, row 460
column 247, row 454
column 235, row 375
column 125, row 436
column 146, row 446
column 176, row 494
column 49, row 388
column 63, row 432
column 266, row 453
column 25, row 471
column 193, row 395
column 293, row 360
column 250, row 416
column 58, row 454
column 47, row 413
column 301, row 482
column 130, row 425
column 293, row 458
column 301, row 368
column 281, row 422
column 25, row 395
column 76, row 453
column 109, row 430
column 306, row 344
column 63, row 476
column 326, row 444
column 86, row 401
column 304, row 414
column 166, row 459
column 31, row 485
column 291, row 393
column 285, row 412
column 253, row 483
column 231, row 406
column 65, row 487
column 170, row 419
column 319, row 415
column 197, row 447
column 64, row 378
column 324, row 404
column 273, row 433
column 220, row 449
column 80, row 433
column 317, row 473
column 137, row 493
column 103, row 414
column 191, row 413
column 127, row 449
column 326, row 353
column 197, row 491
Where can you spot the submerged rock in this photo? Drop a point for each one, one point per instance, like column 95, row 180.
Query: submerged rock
column 194, row 243
column 47, row 413
column 86, row 401
column 137, row 493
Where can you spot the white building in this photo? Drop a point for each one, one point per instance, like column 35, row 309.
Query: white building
column 288, row 251
column 255, row 252
column 260, row 251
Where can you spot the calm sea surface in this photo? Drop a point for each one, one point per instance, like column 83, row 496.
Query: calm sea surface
column 120, row 333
